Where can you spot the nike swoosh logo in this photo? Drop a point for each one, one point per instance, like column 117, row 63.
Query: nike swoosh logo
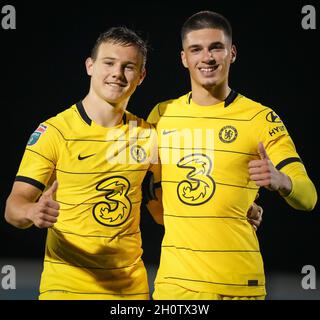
column 165, row 132
column 85, row 157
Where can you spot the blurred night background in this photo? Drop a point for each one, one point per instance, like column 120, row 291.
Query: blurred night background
column 43, row 73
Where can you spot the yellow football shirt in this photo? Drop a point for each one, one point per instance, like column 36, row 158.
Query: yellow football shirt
column 209, row 246
column 94, row 249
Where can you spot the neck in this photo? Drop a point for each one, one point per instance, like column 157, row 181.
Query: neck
column 102, row 112
column 207, row 97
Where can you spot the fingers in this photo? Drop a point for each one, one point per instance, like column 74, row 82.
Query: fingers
column 43, row 216
column 260, row 176
column 254, row 216
column 256, row 213
column 258, row 166
column 47, row 218
column 262, row 151
column 46, row 202
column 253, row 211
column 263, row 163
column 261, row 180
column 260, row 172
column 46, row 212
column 45, row 223
column 49, row 207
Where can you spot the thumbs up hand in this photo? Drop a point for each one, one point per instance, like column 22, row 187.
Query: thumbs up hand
column 262, row 151
column 264, row 174
column 51, row 191
column 44, row 213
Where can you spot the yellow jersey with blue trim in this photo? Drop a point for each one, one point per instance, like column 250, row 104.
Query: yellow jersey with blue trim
column 94, row 250
column 209, row 245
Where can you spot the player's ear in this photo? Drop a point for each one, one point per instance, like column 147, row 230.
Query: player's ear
column 89, row 66
column 233, row 53
column 183, row 59
column 142, row 75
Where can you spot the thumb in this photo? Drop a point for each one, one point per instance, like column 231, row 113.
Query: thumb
column 262, row 151
column 52, row 190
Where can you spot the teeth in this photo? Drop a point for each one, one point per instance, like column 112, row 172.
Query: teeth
column 114, row 85
column 209, row 69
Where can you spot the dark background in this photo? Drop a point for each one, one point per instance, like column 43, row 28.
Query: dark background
column 42, row 73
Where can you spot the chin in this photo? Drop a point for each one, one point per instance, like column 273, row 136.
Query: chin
column 209, row 85
column 113, row 98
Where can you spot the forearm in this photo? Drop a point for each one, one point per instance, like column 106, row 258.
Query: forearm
column 155, row 207
column 156, row 210
column 303, row 195
column 285, row 187
column 16, row 212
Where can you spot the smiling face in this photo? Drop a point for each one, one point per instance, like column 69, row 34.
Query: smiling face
column 208, row 53
column 116, row 72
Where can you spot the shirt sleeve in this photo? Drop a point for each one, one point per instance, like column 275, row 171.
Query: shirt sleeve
column 154, row 115
column 303, row 195
column 40, row 157
column 282, row 152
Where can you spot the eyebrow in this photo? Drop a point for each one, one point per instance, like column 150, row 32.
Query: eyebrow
column 113, row 59
column 213, row 44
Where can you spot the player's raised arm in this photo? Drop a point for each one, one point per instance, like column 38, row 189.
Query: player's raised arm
column 22, row 209
column 293, row 184
column 264, row 174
